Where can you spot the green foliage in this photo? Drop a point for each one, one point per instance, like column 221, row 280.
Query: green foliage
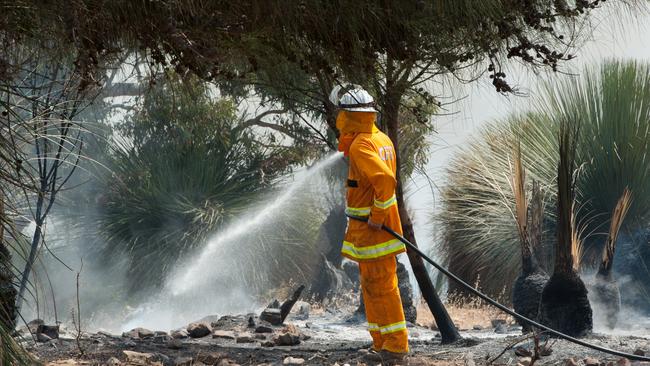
column 184, row 170
column 612, row 105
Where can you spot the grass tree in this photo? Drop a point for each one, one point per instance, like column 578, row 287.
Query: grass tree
column 605, row 292
column 564, row 305
column 479, row 237
column 529, row 215
column 184, row 169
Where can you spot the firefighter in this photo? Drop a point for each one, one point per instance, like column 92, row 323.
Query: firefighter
column 371, row 193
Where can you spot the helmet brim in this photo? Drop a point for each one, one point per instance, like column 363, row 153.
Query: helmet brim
column 361, row 109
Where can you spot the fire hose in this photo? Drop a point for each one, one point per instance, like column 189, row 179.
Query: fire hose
column 500, row 306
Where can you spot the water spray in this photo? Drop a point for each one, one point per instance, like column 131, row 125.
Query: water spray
column 500, row 306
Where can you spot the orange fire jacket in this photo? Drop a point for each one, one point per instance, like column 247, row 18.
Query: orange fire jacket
column 370, row 188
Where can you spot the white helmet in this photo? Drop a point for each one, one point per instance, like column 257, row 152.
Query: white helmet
column 354, row 100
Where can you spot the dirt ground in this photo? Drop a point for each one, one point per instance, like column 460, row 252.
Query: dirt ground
column 327, row 339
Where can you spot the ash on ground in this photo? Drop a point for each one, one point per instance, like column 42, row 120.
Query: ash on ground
column 315, row 338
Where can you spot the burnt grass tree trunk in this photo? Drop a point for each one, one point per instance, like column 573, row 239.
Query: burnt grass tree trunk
column 565, row 306
column 8, row 292
column 606, row 292
column 448, row 331
column 528, row 287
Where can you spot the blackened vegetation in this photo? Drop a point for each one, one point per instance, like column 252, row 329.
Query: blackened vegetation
column 606, row 292
column 565, row 306
column 527, row 289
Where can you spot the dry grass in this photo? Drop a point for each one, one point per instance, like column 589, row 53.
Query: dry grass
column 466, row 314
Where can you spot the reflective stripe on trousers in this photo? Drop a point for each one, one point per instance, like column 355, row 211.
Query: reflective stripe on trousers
column 391, row 328
column 373, row 251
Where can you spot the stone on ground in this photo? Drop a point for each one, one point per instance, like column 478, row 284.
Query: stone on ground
column 293, row 361
column 199, row 330
column 224, row 334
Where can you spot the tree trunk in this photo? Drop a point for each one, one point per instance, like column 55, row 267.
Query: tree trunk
column 448, row 331
column 36, row 239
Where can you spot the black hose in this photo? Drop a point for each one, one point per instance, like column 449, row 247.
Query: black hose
column 502, row 307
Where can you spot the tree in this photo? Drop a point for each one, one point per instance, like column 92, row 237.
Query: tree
column 479, row 238
column 188, row 166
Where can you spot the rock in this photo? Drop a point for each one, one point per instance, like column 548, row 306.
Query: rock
column 159, row 333
column 287, row 339
column 227, row 362
column 180, row 334
column 138, row 358
column 525, row 361
column 174, row 344
column 591, row 361
column 113, row 361
column 184, row 361
column 145, row 333
column 224, row 334
column 163, row 338
column 251, row 322
column 293, row 361
column 501, row 328
column 32, row 326
column 245, row 338
column 272, row 315
column 477, row 327
column 639, row 352
column 523, row 352
column 268, row 344
column 51, row 331
column 260, row 336
column 136, row 333
column 199, row 330
column 41, row 337
column 229, row 322
column 130, row 334
column 263, row 329
column 623, row 362
column 211, row 358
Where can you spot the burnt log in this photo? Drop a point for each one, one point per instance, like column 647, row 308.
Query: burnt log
column 276, row 316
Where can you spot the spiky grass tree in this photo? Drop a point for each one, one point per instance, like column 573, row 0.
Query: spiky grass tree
column 564, row 304
column 527, row 289
column 605, row 292
column 479, row 239
column 186, row 170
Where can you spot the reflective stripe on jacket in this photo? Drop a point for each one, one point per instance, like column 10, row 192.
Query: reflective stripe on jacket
column 371, row 192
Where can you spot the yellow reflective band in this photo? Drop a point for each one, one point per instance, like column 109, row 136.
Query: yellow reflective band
column 373, row 327
column 392, row 328
column 386, row 204
column 374, row 251
column 357, row 211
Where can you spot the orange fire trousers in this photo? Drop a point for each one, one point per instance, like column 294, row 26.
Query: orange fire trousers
column 383, row 305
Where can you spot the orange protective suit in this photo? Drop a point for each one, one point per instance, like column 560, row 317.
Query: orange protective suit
column 371, row 193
